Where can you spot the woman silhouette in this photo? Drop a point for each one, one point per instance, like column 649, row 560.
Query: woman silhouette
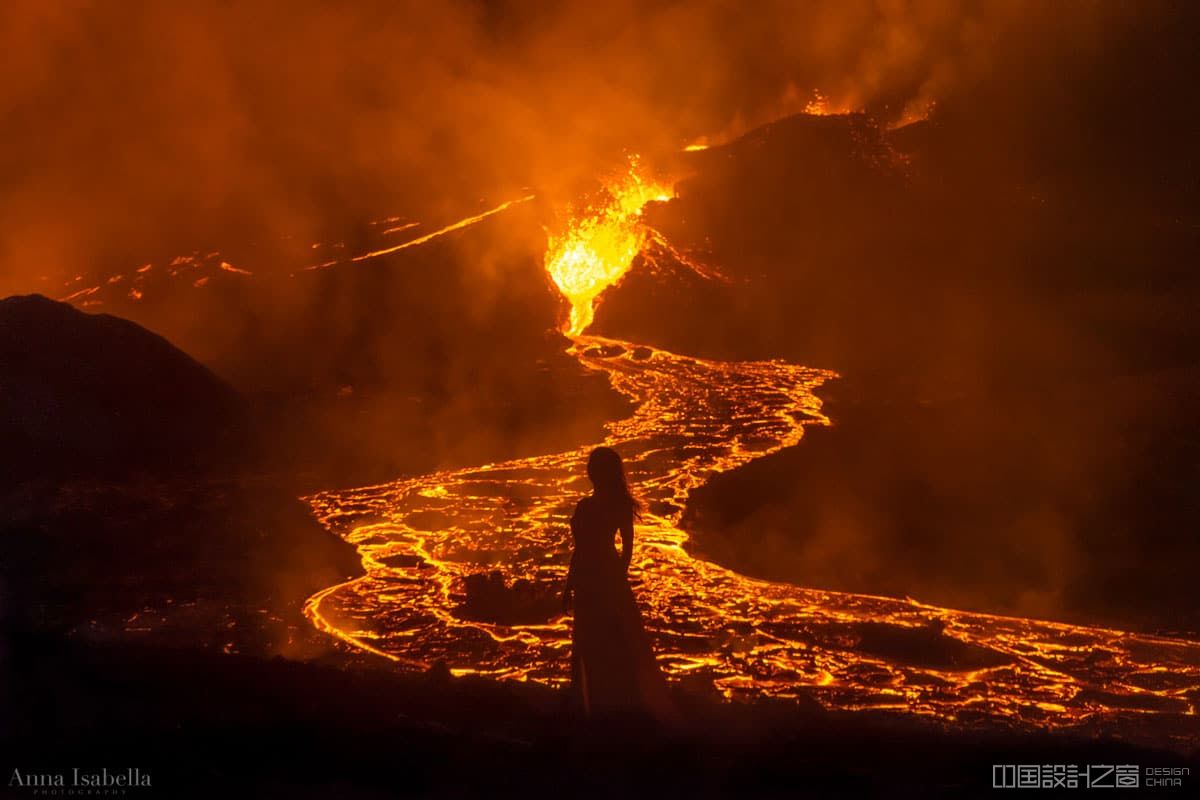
column 613, row 670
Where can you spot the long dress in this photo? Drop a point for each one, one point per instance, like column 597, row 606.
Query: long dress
column 613, row 666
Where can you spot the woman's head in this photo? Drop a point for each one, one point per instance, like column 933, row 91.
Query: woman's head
column 607, row 474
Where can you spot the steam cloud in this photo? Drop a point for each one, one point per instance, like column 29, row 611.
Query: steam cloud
column 129, row 127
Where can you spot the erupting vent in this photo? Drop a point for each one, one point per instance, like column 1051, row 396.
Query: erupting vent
column 597, row 246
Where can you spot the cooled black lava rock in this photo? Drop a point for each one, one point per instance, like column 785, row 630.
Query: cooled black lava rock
column 525, row 602
column 605, row 351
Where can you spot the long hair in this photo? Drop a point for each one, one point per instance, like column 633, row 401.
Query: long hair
column 607, row 474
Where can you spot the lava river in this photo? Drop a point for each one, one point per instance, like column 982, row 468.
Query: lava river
column 713, row 629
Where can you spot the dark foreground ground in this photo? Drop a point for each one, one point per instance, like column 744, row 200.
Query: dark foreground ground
column 203, row 724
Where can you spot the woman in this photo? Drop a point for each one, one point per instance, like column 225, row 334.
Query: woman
column 613, row 668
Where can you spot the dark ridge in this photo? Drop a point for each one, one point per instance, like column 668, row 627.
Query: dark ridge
column 99, row 396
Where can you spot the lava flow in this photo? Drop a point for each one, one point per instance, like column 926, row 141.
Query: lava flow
column 422, row 539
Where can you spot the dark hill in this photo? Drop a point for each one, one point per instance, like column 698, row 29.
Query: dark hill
column 1013, row 427
column 128, row 511
column 94, row 395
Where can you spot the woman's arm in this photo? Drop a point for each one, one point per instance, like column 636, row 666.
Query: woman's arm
column 569, row 585
column 627, row 541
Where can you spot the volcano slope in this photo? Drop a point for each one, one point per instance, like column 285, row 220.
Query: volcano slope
column 1011, row 428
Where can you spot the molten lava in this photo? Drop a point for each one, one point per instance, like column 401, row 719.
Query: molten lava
column 420, row 240
column 820, row 106
column 421, row 539
column 595, row 249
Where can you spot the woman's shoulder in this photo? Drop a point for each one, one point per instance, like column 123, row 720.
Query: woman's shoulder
column 592, row 508
column 601, row 507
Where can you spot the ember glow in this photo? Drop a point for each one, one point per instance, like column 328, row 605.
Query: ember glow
column 421, row 538
column 820, row 106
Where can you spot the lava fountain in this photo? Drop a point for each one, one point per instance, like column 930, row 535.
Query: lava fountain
column 598, row 244
column 424, row 540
